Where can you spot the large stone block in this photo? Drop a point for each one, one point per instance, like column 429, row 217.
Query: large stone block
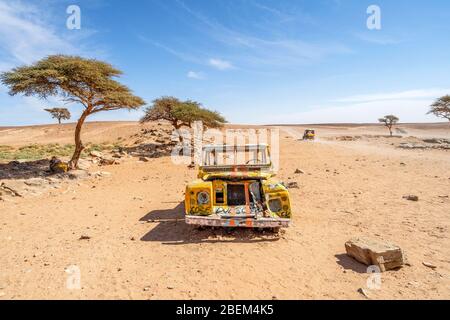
column 385, row 255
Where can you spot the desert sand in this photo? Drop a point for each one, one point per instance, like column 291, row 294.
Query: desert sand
column 140, row 248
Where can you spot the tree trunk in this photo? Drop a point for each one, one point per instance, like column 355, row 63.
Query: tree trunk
column 177, row 128
column 59, row 120
column 73, row 163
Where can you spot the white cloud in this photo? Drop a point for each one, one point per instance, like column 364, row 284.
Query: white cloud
column 270, row 50
column 411, row 94
column 369, row 112
column 27, row 34
column 409, row 106
column 195, row 75
column 220, row 64
column 24, row 37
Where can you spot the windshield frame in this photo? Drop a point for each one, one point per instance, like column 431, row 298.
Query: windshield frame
column 209, row 160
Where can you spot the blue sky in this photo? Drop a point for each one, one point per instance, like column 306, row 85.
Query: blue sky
column 255, row 61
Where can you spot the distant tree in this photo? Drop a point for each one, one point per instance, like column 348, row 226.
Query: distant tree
column 86, row 81
column 59, row 113
column 389, row 121
column 182, row 113
column 441, row 108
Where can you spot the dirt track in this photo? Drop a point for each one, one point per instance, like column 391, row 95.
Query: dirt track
column 140, row 247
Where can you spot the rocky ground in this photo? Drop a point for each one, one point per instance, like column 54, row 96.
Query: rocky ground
column 27, row 178
column 120, row 222
column 399, row 141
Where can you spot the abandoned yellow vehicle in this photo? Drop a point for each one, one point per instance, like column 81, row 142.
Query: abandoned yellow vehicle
column 236, row 188
column 309, row 134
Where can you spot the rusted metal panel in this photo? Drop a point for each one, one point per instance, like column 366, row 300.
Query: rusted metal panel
column 244, row 223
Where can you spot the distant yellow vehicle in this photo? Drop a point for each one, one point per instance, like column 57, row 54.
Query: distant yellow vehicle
column 309, row 134
column 235, row 188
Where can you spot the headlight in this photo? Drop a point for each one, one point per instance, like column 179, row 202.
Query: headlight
column 203, row 197
column 275, row 205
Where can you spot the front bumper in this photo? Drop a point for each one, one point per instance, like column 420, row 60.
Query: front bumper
column 238, row 222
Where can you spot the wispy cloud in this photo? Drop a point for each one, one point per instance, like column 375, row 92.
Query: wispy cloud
column 274, row 11
column 195, row 75
column 285, row 15
column 26, row 35
column 182, row 55
column 23, row 36
column 220, row 64
column 274, row 49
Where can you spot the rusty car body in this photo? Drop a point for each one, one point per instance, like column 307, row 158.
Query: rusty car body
column 309, row 134
column 236, row 188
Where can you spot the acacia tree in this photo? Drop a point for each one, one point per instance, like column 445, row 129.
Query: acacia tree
column 181, row 113
column 88, row 82
column 59, row 113
column 441, row 108
column 389, row 121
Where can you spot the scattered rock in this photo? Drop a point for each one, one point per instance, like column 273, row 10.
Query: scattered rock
column 433, row 143
column 298, row 171
column 84, row 164
column 96, row 154
column 436, row 141
column 411, row 197
column 292, row 185
column 83, row 237
column 100, row 174
column 107, row 161
column 118, row 154
column 429, row 265
column 406, row 145
column 78, row 174
column 143, row 159
column 35, row 182
column 10, row 188
column 162, row 141
column 364, row 293
column 348, row 138
column 385, row 255
column 146, row 289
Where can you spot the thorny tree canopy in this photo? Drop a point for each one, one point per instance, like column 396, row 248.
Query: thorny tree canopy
column 59, row 113
column 441, row 108
column 85, row 81
column 389, row 120
column 182, row 113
